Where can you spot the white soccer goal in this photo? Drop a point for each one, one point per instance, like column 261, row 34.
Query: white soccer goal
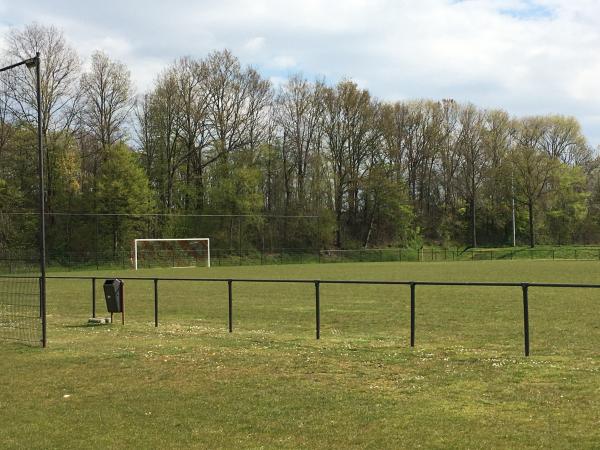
column 189, row 252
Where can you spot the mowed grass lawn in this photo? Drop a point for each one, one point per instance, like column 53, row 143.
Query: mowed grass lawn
column 271, row 384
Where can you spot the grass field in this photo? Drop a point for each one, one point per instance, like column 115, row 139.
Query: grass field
column 270, row 384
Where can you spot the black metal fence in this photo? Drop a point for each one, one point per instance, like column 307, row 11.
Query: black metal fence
column 525, row 287
column 26, row 261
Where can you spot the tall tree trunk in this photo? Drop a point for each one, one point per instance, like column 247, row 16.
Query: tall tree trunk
column 370, row 229
column 531, row 234
column 473, row 228
column 200, row 189
column 338, row 218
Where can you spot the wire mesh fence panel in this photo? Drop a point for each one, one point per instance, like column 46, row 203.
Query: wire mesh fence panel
column 20, row 318
column 26, row 261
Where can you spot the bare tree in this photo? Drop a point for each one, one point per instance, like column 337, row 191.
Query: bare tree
column 299, row 114
column 473, row 159
column 191, row 76
column 107, row 99
column 60, row 96
column 394, row 134
column 237, row 100
column 165, row 128
column 60, row 67
column 144, row 134
column 497, row 184
column 351, row 134
column 564, row 140
column 6, row 128
column 450, row 157
column 533, row 167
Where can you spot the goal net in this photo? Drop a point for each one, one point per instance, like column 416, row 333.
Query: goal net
column 190, row 252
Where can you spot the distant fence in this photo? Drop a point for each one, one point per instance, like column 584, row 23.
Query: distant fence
column 317, row 283
column 436, row 254
column 24, row 261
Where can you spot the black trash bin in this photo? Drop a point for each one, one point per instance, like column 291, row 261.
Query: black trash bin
column 113, row 292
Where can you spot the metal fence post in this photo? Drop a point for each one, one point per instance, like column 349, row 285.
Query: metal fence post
column 525, row 288
column 412, row 314
column 94, row 297
column 41, row 303
column 43, row 310
column 318, row 309
column 230, row 295
column 156, row 302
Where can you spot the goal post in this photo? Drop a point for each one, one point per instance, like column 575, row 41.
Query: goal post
column 171, row 252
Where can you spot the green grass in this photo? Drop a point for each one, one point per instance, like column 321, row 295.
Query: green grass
column 270, row 384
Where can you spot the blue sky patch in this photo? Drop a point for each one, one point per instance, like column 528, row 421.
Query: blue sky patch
column 528, row 10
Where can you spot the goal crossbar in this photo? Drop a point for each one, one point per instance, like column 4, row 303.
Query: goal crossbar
column 136, row 241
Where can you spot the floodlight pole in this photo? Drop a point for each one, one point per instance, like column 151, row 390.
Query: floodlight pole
column 41, row 194
column 35, row 63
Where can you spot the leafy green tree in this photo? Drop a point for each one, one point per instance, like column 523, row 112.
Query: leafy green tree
column 235, row 190
column 123, row 188
column 10, row 196
column 388, row 214
column 533, row 168
column 567, row 208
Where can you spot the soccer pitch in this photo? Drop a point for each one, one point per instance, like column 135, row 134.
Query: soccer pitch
column 271, row 384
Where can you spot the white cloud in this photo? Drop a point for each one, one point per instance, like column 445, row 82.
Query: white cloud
column 527, row 56
column 283, row 62
column 255, row 44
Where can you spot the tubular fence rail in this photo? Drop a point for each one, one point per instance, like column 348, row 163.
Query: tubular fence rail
column 317, row 283
column 20, row 261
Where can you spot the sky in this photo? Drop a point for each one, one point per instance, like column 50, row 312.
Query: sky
column 525, row 56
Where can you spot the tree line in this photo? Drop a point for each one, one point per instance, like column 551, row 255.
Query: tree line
column 214, row 137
